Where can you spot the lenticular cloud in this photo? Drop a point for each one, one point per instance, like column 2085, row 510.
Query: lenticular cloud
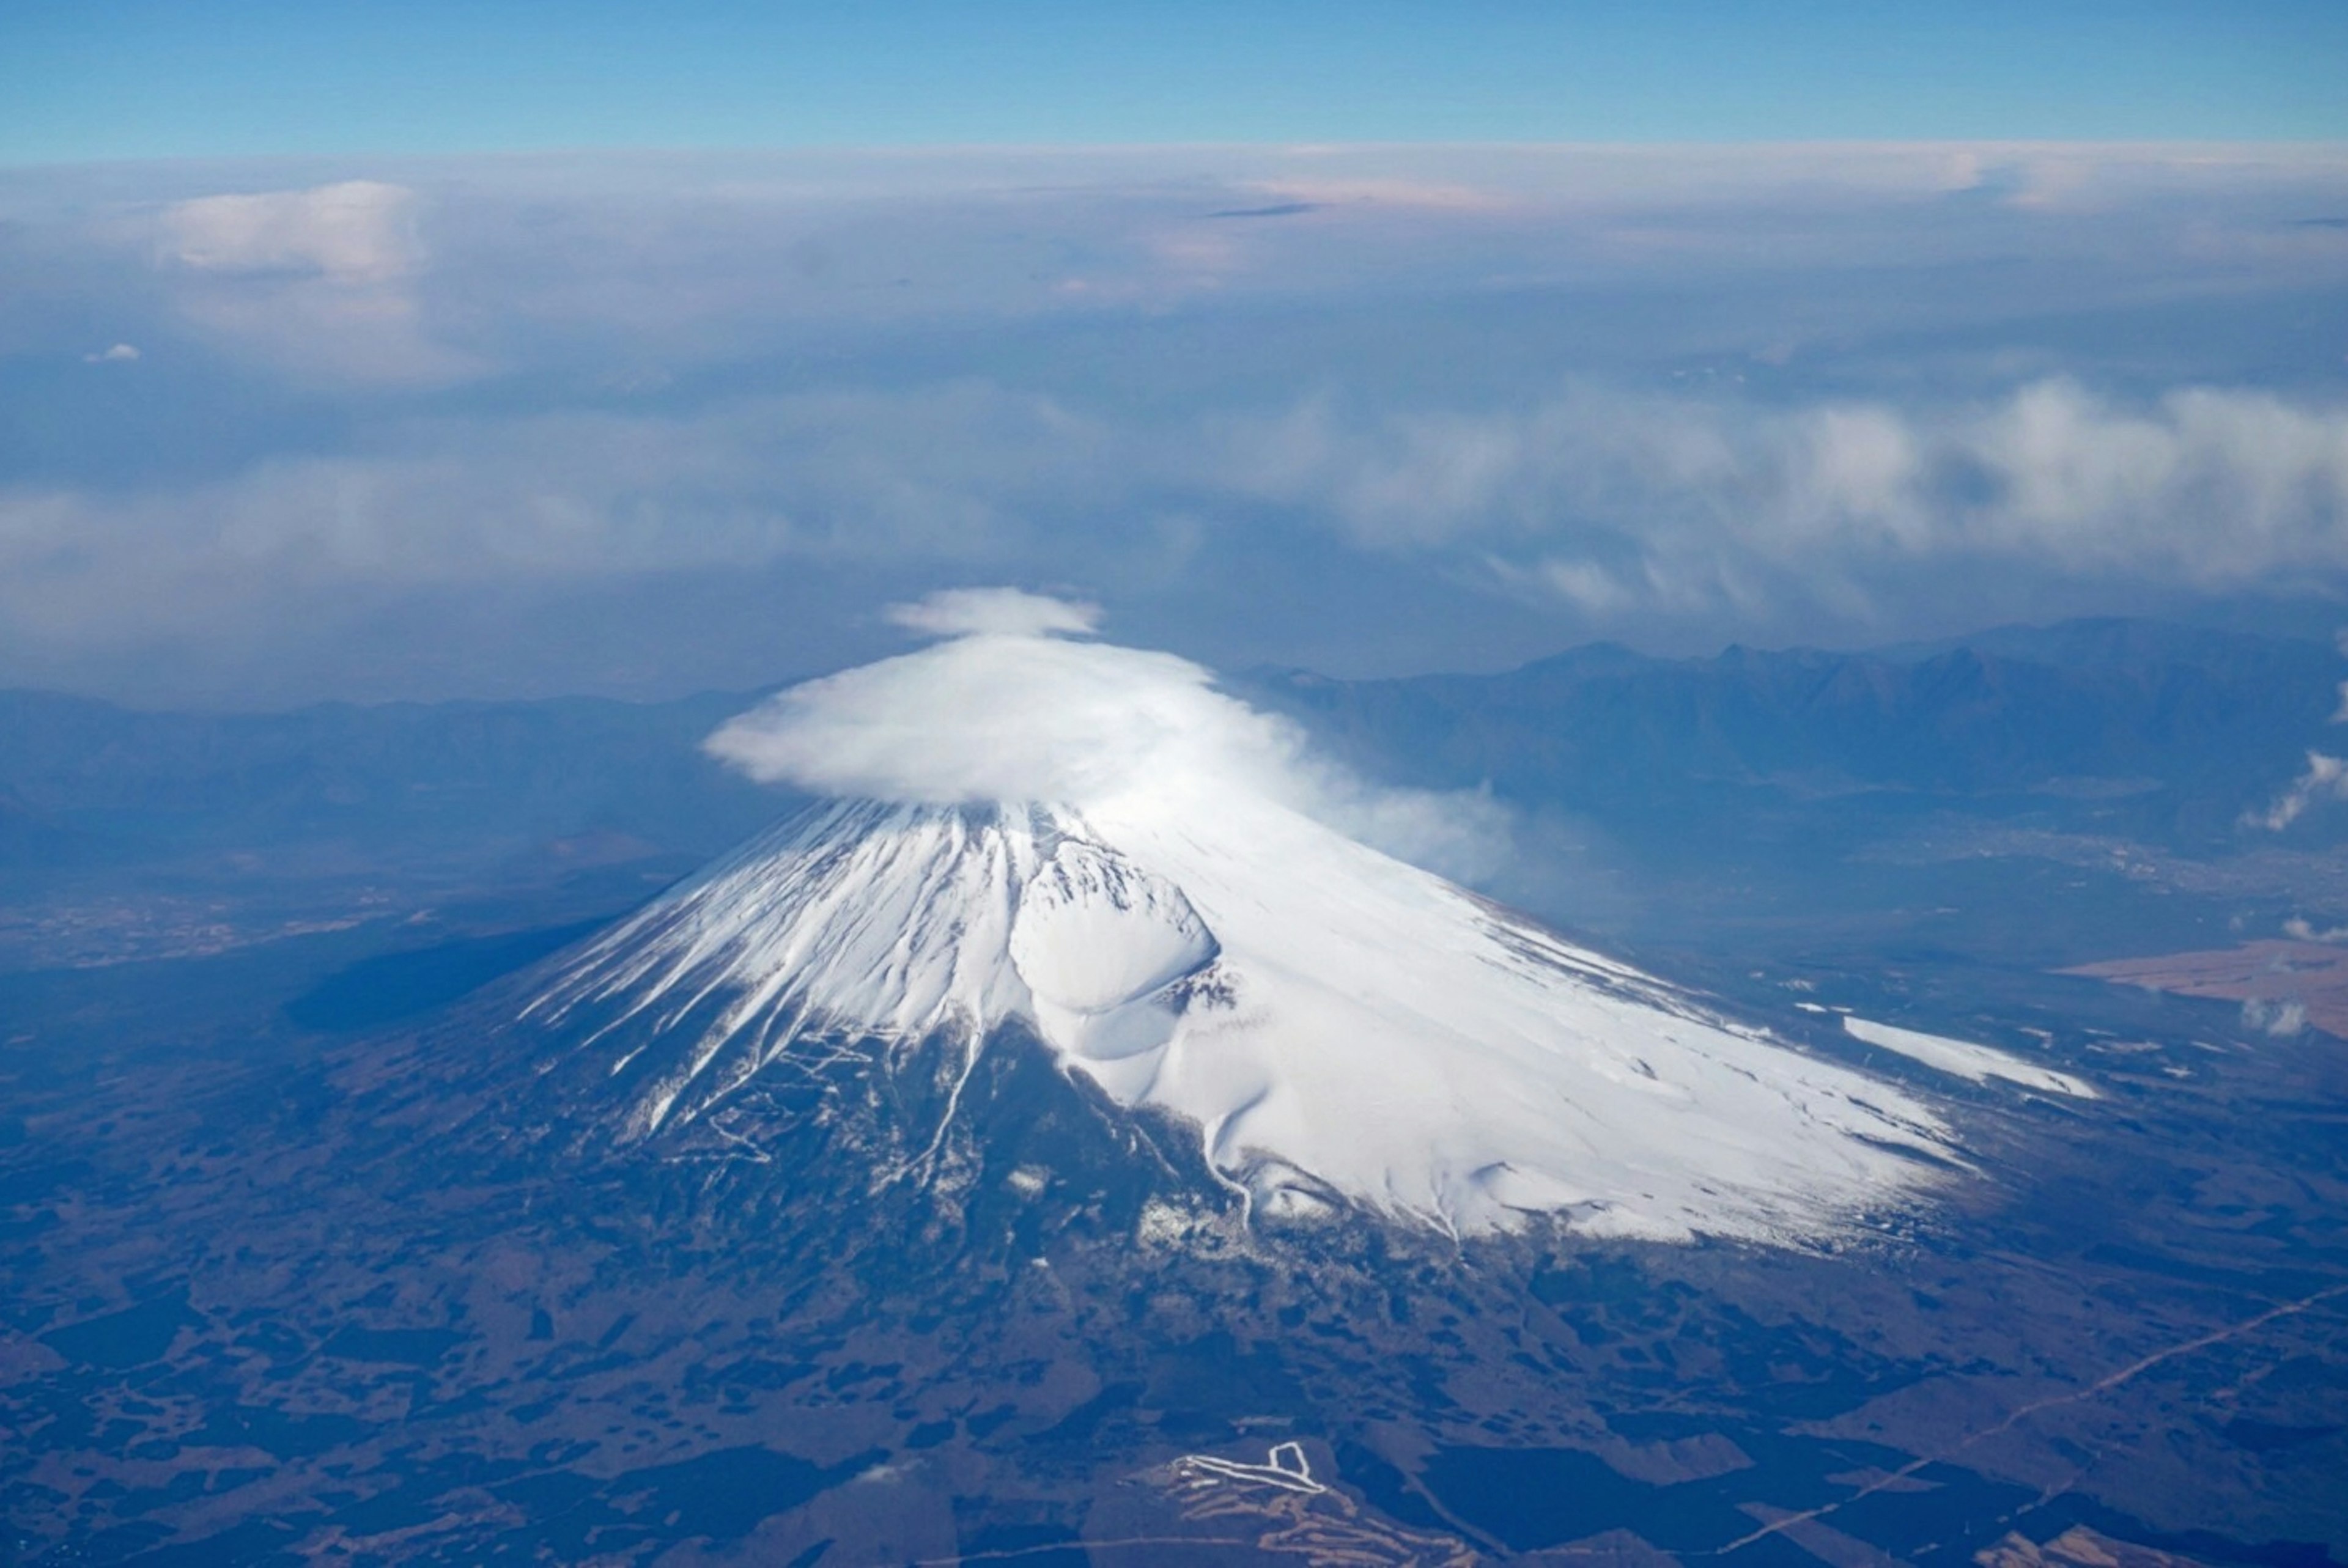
column 1091, row 846
column 1012, row 709
column 1008, row 711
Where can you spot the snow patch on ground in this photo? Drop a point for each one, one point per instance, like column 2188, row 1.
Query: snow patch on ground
column 1978, row 1063
column 1338, row 1026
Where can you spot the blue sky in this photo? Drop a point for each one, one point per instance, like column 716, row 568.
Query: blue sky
column 84, row 79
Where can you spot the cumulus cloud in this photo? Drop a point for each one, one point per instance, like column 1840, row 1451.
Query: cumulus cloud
column 1627, row 500
column 2326, row 779
column 120, row 354
column 2299, row 928
column 356, row 232
column 321, row 282
column 1010, row 710
column 2280, row 1016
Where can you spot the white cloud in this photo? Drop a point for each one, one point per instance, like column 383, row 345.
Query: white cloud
column 2280, row 1018
column 713, row 365
column 997, row 612
column 1622, row 509
column 320, row 283
column 943, row 475
column 1584, row 584
column 1006, row 710
column 121, row 354
column 1339, row 190
column 2326, row 779
column 357, row 231
column 1639, row 500
column 685, row 259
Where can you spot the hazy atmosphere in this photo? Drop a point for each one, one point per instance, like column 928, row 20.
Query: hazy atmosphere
column 634, row 422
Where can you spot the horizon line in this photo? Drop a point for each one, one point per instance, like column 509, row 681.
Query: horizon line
column 1321, row 147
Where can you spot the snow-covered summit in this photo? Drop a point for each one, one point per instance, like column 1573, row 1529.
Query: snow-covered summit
column 1143, row 874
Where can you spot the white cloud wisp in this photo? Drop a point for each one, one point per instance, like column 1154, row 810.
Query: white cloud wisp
column 2325, row 779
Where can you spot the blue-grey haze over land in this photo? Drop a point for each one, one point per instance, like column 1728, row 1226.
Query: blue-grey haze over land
column 377, row 426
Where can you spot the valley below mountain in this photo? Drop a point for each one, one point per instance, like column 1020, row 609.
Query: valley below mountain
column 326, row 1303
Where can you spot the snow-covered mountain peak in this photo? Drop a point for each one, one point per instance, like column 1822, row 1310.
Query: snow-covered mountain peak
column 1091, row 844
column 1015, row 709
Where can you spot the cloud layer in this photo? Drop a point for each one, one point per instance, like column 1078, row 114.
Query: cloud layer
column 1619, row 500
column 1501, row 399
column 1614, row 508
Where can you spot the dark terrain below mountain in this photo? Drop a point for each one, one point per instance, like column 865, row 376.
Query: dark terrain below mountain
column 307, row 1256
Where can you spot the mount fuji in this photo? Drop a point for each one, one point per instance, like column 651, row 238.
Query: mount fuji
column 1031, row 832
column 1092, row 1123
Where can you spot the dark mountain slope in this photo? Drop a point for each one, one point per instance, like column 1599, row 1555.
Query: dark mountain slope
column 2162, row 732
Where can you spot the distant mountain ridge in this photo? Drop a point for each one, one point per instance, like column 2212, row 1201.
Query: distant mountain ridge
column 2158, row 730
column 2162, row 730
